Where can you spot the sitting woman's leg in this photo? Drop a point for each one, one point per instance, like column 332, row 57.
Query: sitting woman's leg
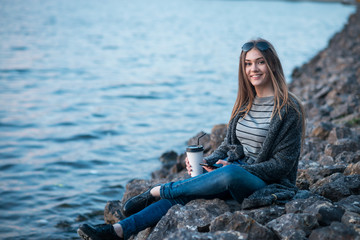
column 152, row 214
column 233, row 178
column 147, row 217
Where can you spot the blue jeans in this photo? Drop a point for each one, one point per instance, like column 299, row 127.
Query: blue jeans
column 231, row 180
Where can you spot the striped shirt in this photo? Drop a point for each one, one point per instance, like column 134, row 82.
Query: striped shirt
column 252, row 130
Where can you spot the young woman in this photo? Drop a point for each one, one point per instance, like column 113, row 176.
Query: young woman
column 261, row 149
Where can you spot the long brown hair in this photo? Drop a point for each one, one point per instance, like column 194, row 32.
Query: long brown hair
column 246, row 91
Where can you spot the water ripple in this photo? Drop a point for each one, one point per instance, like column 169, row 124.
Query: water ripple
column 80, row 137
column 64, row 124
column 17, row 126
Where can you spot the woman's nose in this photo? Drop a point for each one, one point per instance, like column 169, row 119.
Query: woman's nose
column 254, row 67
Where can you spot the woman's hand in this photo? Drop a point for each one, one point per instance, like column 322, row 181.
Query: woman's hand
column 223, row 162
column 188, row 166
column 189, row 169
column 209, row 169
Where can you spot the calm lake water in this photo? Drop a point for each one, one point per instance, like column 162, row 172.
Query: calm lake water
column 93, row 92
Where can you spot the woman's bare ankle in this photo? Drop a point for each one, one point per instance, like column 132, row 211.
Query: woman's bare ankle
column 155, row 191
column 118, row 229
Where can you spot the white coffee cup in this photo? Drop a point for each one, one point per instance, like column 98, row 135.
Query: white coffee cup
column 195, row 154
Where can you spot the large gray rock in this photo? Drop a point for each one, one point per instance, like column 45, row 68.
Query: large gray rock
column 326, row 212
column 352, row 220
column 336, row 231
column 265, row 214
column 293, row 225
column 220, row 235
column 348, row 157
column 194, row 216
column 338, row 133
column 322, row 130
column 136, row 187
column 218, row 134
column 238, row 221
column 351, row 203
column 352, row 169
column 299, row 205
column 112, row 212
column 340, row 146
column 337, row 186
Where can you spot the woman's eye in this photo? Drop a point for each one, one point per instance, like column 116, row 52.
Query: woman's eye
column 247, row 64
column 262, row 62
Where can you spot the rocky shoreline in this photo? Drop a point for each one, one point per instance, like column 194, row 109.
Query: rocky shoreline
column 327, row 205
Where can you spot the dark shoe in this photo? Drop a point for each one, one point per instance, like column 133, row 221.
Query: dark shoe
column 98, row 232
column 138, row 203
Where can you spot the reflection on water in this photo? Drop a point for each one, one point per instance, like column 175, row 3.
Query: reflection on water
column 92, row 93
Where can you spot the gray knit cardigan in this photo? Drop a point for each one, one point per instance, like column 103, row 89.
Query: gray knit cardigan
column 277, row 161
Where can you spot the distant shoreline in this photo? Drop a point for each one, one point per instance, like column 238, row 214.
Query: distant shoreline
column 352, row 2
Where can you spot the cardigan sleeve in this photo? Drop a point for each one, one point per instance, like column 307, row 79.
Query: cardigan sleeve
column 280, row 161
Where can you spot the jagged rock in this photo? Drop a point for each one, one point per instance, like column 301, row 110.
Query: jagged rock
column 302, row 181
column 142, row 235
column 338, row 133
column 326, row 160
column 138, row 186
column 265, row 214
column 323, row 209
column 352, row 220
column 135, row 187
column 329, row 170
column 218, row 134
column 221, row 235
column 348, row 157
column 351, row 203
column 181, row 160
column 307, row 177
column 336, row 231
column 325, row 212
column 313, row 146
column 243, row 223
column 341, row 111
column 293, row 226
column 352, row 169
column 340, row 146
column 322, row 130
column 299, row 205
column 112, row 212
column 195, row 215
column 160, row 173
column 337, row 186
column 168, row 157
column 168, row 160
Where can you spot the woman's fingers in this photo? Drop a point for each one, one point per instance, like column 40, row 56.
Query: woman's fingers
column 188, row 166
column 223, row 162
column 209, row 169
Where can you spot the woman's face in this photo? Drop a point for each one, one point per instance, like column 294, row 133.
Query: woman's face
column 257, row 72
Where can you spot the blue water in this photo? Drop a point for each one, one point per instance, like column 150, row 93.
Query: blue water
column 93, row 92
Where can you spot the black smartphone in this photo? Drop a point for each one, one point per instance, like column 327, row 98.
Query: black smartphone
column 211, row 166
